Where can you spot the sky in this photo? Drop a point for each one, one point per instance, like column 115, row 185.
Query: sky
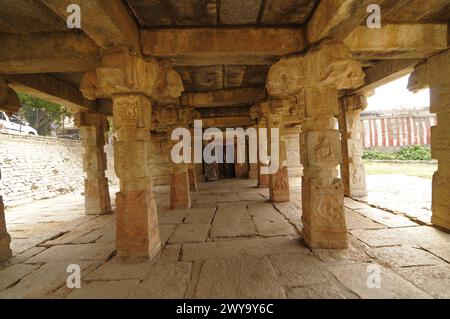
column 395, row 95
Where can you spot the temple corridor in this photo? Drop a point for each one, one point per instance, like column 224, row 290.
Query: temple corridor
column 232, row 243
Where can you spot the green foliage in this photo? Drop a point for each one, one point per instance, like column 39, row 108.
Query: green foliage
column 40, row 114
column 409, row 153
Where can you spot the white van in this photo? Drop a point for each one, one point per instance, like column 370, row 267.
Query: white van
column 13, row 125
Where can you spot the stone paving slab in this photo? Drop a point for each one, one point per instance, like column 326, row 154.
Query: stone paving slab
column 165, row 232
column 172, row 217
column 232, row 221
column 440, row 249
column 355, row 277
column 268, row 221
column 357, row 221
column 74, row 253
column 200, row 215
column 401, row 256
column 105, row 290
column 435, row 280
column 247, row 277
column 385, row 218
column 243, row 247
column 329, row 290
column 190, row 233
column 43, row 281
column 411, row 236
column 13, row 274
column 356, row 252
column 295, row 270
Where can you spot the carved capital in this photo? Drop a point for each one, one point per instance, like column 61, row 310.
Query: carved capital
column 9, row 101
column 122, row 73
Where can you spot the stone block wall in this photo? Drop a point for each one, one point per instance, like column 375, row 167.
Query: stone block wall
column 35, row 168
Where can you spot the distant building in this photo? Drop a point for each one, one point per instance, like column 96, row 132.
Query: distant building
column 397, row 128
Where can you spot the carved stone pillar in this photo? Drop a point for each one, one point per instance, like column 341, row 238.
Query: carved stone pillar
column 352, row 168
column 318, row 76
column 241, row 169
column 96, row 190
column 5, row 239
column 274, row 112
column 133, row 84
column 434, row 73
column 193, row 184
column 263, row 179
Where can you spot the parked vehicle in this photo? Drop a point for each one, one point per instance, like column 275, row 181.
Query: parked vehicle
column 13, row 125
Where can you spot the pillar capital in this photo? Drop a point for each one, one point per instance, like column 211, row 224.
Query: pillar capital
column 9, row 101
column 123, row 73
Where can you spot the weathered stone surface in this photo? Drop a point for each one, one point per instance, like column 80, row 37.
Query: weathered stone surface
column 356, row 251
column 232, row 221
column 434, row 280
column 355, row 278
column 243, row 247
column 190, row 233
column 200, row 216
column 329, row 290
column 105, row 290
column 299, row 269
column 404, row 256
column 355, row 220
column 43, row 281
column 165, row 232
column 401, row 236
column 268, row 221
column 353, row 204
column 171, row 217
column 72, row 253
column 244, row 277
column 13, row 274
column 385, row 218
column 440, row 249
column 165, row 281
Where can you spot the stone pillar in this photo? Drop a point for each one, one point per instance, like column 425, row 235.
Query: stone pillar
column 193, row 184
column 96, row 191
column 241, row 169
column 263, row 179
column 278, row 182
column 353, row 173
column 317, row 77
column 5, row 239
column 434, row 73
column 134, row 84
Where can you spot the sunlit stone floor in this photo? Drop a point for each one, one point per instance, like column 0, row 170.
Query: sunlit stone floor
column 231, row 244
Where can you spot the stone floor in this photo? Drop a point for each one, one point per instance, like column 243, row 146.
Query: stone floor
column 408, row 195
column 232, row 244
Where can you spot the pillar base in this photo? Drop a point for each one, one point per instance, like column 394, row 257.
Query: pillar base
column 263, row 181
column 96, row 195
column 5, row 250
column 179, row 191
column 193, row 185
column 441, row 202
column 137, row 225
column 279, row 186
column 324, row 224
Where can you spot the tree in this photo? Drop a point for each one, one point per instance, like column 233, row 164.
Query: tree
column 40, row 114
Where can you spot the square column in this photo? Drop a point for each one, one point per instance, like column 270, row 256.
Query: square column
column 353, row 172
column 5, row 238
column 279, row 181
column 314, row 81
column 263, row 179
column 137, row 219
column 193, row 183
column 434, row 73
column 96, row 189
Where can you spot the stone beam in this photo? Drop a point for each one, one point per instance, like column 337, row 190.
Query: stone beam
column 107, row 22
column 398, row 41
column 228, row 111
column 385, row 72
column 47, row 53
column 336, row 19
column 228, row 122
column 203, row 46
column 222, row 98
column 50, row 89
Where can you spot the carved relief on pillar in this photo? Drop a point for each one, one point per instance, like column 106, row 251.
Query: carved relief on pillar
column 434, row 73
column 325, row 69
column 134, row 84
column 5, row 239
